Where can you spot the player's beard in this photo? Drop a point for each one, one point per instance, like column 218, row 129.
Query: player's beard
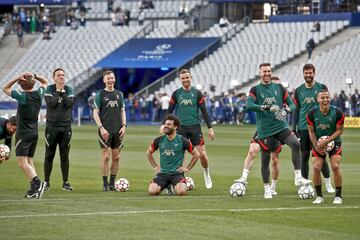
column 309, row 79
column 169, row 131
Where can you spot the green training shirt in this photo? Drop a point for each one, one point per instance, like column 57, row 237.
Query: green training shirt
column 270, row 94
column 29, row 104
column 325, row 125
column 171, row 152
column 109, row 105
column 305, row 99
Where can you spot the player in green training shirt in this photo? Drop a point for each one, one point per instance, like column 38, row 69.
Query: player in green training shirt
column 7, row 129
column 59, row 100
column 29, row 102
column 172, row 167
column 305, row 99
column 109, row 115
column 189, row 101
column 326, row 120
column 267, row 100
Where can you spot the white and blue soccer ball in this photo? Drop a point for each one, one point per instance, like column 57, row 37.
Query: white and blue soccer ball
column 330, row 146
column 238, row 190
column 190, row 184
column 122, row 185
column 306, row 192
column 4, row 151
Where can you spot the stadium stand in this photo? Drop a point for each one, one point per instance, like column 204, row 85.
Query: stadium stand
column 217, row 31
column 74, row 50
column 168, row 29
column 236, row 63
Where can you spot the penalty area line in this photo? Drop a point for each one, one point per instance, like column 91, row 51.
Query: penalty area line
column 175, row 211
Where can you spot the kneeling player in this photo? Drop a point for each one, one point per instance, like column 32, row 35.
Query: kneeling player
column 172, row 167
column 326, row 120
column 254, row 149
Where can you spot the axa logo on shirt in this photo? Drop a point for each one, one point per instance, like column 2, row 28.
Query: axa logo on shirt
column 112, row 103
column 309, row 100
column 186, row 102
column 269, row 100
column 323, row 126
column 169, row 152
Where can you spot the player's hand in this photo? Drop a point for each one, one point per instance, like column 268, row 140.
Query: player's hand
column 265, row 107
column 122, row 131
column 162, row 129
column 274, row 108
column 182, row 169
column 104, row 133
column 27, row 74
column 320, row 150
column 3, row 159
column 211, row 134
column 157, row 169
column 323, row 143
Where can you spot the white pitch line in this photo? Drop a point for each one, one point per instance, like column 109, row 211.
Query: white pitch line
column 175, row 211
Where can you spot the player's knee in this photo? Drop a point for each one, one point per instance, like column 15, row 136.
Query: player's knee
column 335, row 167
column 317, row 167
column 154, row 189
column 180, row 189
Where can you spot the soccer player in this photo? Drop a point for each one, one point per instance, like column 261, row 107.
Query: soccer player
column 109, row 115
column 267, row 100
column 326, row 120
column 172, row 167
column 29, row 102
column 305, row 99
column 59, row 103
column 7, row 129
column 188, row 101
column 254, row 149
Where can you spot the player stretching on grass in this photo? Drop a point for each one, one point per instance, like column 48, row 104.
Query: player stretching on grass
column 267, row 100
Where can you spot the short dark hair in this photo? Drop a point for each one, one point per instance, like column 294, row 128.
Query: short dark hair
column 172, row 117
column 264, row 65
column 107, row 72
column 309, row 66
column 58, row 69
column 12, row 120
column 322, row 91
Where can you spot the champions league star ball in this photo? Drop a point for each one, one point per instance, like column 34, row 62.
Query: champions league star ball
column 122, row 185
column 4, row 151
column 190, row 184
column 330, row 146
column 306, row 192
column 237, row 190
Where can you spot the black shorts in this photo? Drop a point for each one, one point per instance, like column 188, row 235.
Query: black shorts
column 25, row 148
column 114, row 141
column 337, row 150
column 164, row 179
column 274, row 143
column 193, row 133
column 305, row 142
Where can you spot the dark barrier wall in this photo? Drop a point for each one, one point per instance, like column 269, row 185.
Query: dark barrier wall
column 353, row 18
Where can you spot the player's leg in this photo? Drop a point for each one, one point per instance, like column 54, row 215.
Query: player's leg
column 64, row 149
column 154, row 189
column 159, row 182
column 254, row 149
column 50, row 150
column 288, row 138
column 178, row 182
column 335, row 160
column 326, row 173
column 116, row 146
column 275, row 171
column 265, row 173
column 317, row 165
column 104, row 162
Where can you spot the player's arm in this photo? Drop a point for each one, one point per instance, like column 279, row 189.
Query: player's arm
column 104, row 133
column 312, row 134
column 152, row 148
column 287, row 99
column 123, row 124
column 201, row 102
column 172, row 104
column 251, row 104
column 195, row 156
column 43, row 81
column 339, row 127
column 51, row 98
column 8, row 86
column 295, row 118
column 68, row 97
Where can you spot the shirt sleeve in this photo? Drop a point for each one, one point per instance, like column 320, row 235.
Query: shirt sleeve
column 155, row 144
column 41, row 91
column 339, row 117
column 70, row 91
column 97, row 101
column 19, row 96
column 310, row 116
column 251, row 101
column 121, row 100
column 187, row 145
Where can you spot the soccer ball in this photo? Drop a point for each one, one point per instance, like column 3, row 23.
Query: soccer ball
column 4, row 151
column 237, row 190
column 122, row 185
column 306, row 192
column 190, row 184
column 330, row 146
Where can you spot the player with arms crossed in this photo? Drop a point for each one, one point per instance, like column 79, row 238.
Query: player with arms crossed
column 326, row 120
column 188, row 101
column 29, row 103
column 254, row 149
column 305, row 99
column 172, row 167
column 267, row 100
column 109, row 115
column 7, row 129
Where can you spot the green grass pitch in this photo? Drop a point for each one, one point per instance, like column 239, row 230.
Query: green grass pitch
column 89, row 213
